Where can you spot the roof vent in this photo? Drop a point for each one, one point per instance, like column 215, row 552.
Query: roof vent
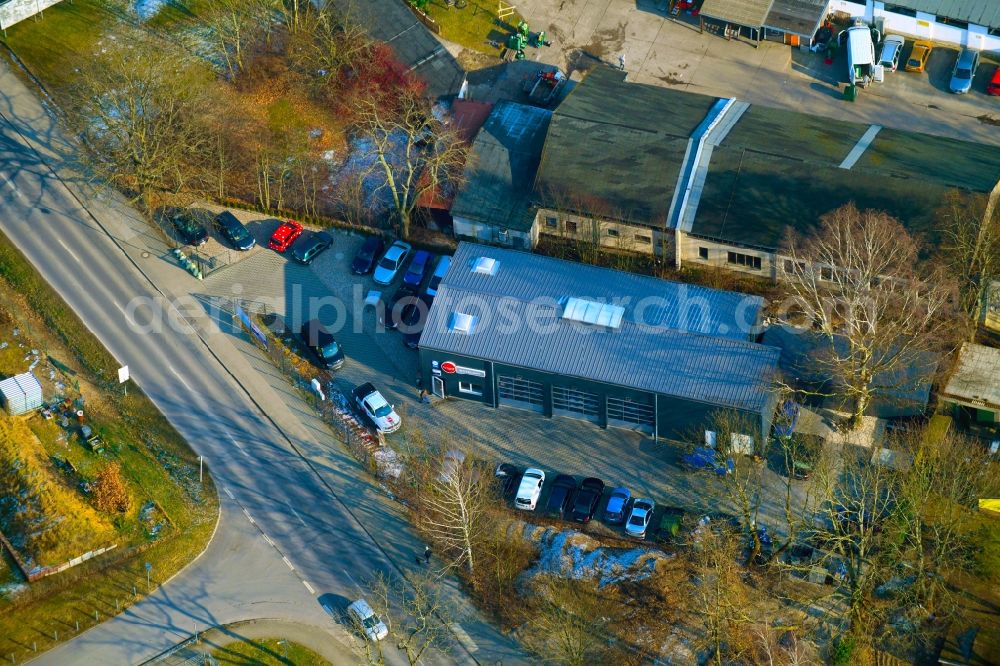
column 592, row 312
column 462, row 323
column 485, row 265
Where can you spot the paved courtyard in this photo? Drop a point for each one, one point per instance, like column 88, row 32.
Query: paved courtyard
column 563, row 445
column 669, row 51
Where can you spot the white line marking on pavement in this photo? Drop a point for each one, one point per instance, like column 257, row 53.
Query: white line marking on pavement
column 860, row 147
column 11, row 186
column 309, row 587
column 297, row 515
column 178, row 376
column 268, row 539
column 463, row 637
column 285, row 560
column 233, row 440
column 352, row 579
column 228, row 492
column 249, row 517
column 73, row 254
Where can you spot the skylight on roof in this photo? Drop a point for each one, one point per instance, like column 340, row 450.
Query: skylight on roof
column 485, row 265
column 462, row 323
column 593, row 312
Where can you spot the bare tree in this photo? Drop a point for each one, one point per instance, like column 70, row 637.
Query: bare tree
column 971, row 249
column 234, row 25
column 141, row 120
column 453, row 507
column 571, row 622
column 413, row 152
column 324, row 45
column 858, row 279
column 416, row 613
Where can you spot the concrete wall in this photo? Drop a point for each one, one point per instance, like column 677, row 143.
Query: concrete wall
column 718, row 254
column 467, row 229
column 15, row 11
column 611, row 234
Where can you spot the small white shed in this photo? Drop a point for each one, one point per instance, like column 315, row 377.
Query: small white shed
column 21, row 393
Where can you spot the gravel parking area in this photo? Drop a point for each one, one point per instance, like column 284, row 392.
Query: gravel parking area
column 556, row 445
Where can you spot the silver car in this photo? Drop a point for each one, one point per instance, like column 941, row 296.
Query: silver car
column 965, row 70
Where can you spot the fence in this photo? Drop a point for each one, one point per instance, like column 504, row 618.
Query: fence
column 31, row 575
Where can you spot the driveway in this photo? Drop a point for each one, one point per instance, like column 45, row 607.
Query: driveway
column 672, row 52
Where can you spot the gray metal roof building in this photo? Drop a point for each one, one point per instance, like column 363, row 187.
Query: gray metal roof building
column 979, row 12
column 576, row 335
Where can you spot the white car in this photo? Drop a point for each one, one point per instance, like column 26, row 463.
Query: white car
column 892, row 46
column 530, row 489
column 391, row 262
column 638, row 520
column 377, row 408
column 367, row 621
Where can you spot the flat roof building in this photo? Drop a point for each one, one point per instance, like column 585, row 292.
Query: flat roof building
column 973, row 389
column 518, row 330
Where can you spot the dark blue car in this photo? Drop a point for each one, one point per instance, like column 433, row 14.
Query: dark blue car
column 418, row 268
column 617, row 505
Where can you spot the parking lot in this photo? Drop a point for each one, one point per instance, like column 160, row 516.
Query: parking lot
column 668, row 51
column 557, row 445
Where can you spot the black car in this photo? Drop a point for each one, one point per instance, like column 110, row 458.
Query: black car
column 401, row 298
column 306, row 249
column 413, row 318
column 189, row 229
column 234, row 231
column 364, row 260
column 326, row 350
column 587, row 499
column 509, row 476
column 561, row 496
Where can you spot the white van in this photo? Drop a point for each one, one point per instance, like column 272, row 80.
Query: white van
column 444, row 261
column 860, row 53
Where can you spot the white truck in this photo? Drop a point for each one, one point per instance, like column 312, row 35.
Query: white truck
column 860, row 46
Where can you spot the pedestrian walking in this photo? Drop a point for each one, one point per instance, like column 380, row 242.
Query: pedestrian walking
column 425, row 397
column 621, row 62
column 427, row 554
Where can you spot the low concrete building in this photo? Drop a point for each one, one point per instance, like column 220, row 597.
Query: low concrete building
column 516, row 330
column 791, row 22
column 973, row 390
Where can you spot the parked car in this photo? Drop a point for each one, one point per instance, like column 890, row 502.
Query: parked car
column 892, row 46
column 670, row 522
column 417, row 271
column 587, row 499
column 364, row 260
column 510, row 476
column 365, row 619
column 373, row 405
column 965, row 71
column 234, row 231
column 191, row 231
column 530, row 489
column 327, row 352
column 391, row 262
column 705, row 457
column 614, row 512
column 638, row 519
column 397, row 303
column 413, row 318
column 993, row 87
column 308, row 248
column 284, row 235
column 440, row 268
column 561, row 494
column 919, row 54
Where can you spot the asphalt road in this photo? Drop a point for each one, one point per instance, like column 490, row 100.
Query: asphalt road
column 286, row 539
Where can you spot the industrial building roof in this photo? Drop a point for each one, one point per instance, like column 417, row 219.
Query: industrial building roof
column 500, row 173
column 614, row 149
column 669, row 338
column 741, row 12
column 979, row 12
column 799, row 17
column 390, row 21
column 977, row 376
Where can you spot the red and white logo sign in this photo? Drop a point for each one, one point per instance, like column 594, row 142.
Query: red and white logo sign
column 449, row 367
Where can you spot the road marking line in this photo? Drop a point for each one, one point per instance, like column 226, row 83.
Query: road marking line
column 285, row 559
column 309, row 587
column 297, row 515
column 860, row 147
column 352, row 579
column 12, row 187
column 268, row 539
column 464, row 637
column 178, row 376
column 73, row 254
column 249, row 517
column 228, row 492
column 233, row 440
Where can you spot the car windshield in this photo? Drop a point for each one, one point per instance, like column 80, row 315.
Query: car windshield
column 913, row 62
column 387, row 263
column 635, row 520
column 371, row 621
column 532, row 475
column 187, row 225
column 963, row 73
column 330, row 350
column 383, row 411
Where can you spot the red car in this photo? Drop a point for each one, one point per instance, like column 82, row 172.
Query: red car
column 285, row 235
column 993, row 87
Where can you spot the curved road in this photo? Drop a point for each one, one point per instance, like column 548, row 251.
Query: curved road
column 287, row 546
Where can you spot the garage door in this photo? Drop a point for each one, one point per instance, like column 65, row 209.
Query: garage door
column 520, row 393
column 575, row 404
column 626, row 413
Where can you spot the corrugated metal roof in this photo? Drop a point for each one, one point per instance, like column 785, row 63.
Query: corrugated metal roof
column 750, row 13
column 674, row 339
column 979, row 12
column 977, row 376
column 799, row 17
column 501, row 171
